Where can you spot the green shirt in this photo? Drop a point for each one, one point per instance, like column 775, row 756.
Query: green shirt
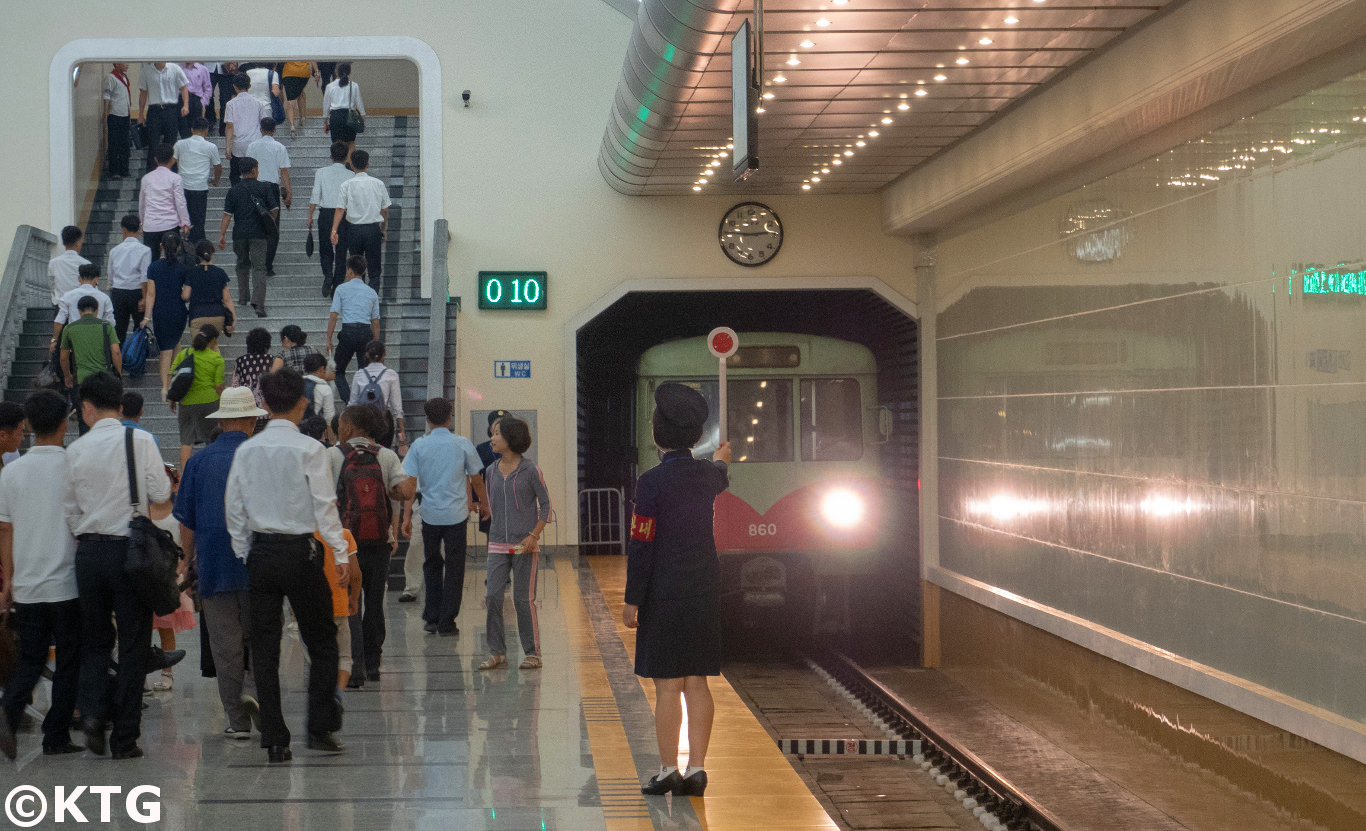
column 208, row 375
column 85, row 338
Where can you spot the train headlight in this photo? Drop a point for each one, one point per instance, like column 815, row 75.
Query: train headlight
column 842, row 508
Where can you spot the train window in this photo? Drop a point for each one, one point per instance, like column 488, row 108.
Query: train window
column 832, row 420
column 765, row 357
column 760, row 419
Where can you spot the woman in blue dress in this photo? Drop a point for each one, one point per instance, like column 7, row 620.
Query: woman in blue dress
column 168, row 309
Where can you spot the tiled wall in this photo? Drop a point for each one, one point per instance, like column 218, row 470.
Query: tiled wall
column 1152, row 401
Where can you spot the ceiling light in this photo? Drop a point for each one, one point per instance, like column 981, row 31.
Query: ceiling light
column 839, row 2
column 825, row 170
column 768, row 96
column 848, row 152
column 807, row 44
column 922, row 93
column 941, row 77
column 985, row 41
column 708, row 171
column 792, row 61
column 1012, row 20
column 873, row 134
column 822, row 22
column 760, row 110
column 860, row 144
column 903, row 106
column 779, row 79
column 804, row 187
column 837, row 161
column 962, row 61
column 815, row 178
column 723, row 155
column 730, row 147
column 715, row 164
column 886, row 121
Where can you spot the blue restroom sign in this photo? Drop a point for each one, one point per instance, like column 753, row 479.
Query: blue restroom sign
column 512, row 369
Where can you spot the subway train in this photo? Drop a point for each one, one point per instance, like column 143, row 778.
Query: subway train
column 805, row 507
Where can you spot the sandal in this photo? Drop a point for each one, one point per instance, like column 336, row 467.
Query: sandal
column 166, row 682
column 530, row 662
column 495, row 662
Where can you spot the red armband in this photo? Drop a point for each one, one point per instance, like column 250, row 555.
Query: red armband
column 642, row 528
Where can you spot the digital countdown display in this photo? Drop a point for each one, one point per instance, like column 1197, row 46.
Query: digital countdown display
column 507, row 290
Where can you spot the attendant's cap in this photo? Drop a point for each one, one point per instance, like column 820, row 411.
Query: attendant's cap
column 680, row 405
column 237, row 402
column 497, row 414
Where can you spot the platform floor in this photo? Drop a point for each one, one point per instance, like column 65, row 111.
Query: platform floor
column 436, row 744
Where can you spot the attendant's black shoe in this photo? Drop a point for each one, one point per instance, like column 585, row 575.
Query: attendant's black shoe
column 163, row 660
column 659, row 787
column 94, row 737
column 325, row 742
column 133, row 752
column 62, row 749
column 693, row 785
column 8, row 745
column 277, row 753
column 430, row 628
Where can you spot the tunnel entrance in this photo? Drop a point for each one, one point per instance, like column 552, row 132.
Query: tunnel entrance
column 608, row 351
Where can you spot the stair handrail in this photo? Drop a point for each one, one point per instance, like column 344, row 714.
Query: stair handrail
column 436, row 332
column 23, row 285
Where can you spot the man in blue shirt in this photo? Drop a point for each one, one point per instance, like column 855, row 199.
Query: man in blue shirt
column 132, row 414
column 446, row 467
column 222, row 576
column 358, row 307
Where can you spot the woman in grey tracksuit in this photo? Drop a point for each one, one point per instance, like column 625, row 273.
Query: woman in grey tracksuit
column 520, row 508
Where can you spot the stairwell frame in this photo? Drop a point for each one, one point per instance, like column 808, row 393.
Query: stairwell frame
column 24, row 284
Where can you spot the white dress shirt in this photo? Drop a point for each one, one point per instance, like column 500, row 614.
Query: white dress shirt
column 117, row 95
column 262, row 80
column 66, row 307
column 281, row 483
column 64, row 269
column 363, row 197
column 128, row 262
column 271, row 157
column 97, row 495
column 327, row 182
column 338, row 97
column 162, row 85
column 244, row 114
column 197, row 157
column 388, row 384
column 32, row 489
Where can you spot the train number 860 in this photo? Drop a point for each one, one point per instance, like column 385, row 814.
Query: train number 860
column 763, row 529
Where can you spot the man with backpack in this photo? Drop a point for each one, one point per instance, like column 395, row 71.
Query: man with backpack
column 368, row 476
column 377, row 385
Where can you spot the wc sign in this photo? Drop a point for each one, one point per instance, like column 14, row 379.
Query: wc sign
column 27, row 806
column 512, row 369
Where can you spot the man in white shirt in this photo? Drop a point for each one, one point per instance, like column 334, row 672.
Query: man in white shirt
column 38, row 556
column 163, row 97
column 272, row 160
column 327, row 182
column 280, row 490
column 64, row 269
column 364, row 203
column 197, row 157
column 118, row 105
column 128, row 262
column 242, row 120
column 98, row 511
column 89, row 276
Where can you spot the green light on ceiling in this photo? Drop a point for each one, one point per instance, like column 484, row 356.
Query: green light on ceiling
column 1318, row 280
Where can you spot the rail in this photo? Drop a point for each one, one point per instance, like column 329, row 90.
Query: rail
column 1015, row 809
column 23, row 285
column 602, row 518
column 436, row 331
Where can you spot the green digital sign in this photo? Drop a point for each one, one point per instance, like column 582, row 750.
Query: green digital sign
column 504, row 290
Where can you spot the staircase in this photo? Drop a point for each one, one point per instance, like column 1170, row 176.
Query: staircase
column 294, row 295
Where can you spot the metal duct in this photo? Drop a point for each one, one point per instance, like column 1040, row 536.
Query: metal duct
column 670, row 47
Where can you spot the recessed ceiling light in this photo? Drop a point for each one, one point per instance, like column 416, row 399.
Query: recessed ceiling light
column 715, row 164
column 860, row 144
column 941, row 77
column 984, row 41
column 807, row 44
column 815, row 178
column 837, row 161
column 848, row 152
column 962, row 61
column 792, row 61
column 873, row 133
column 779, row 79
column 806, row 187
column 760, row 110
column 1012, row 20
column 839, row 2
column 922, row 93
column 768, row 96
column 723, row 155
column 886, row 121
column 825, row 170
column 822, row 22
column 696, row 187
column 730, row 147
column 903, row 106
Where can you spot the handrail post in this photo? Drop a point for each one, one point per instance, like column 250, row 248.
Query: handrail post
column 436, row 330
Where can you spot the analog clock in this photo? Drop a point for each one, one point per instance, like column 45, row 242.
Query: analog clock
column 751, row 234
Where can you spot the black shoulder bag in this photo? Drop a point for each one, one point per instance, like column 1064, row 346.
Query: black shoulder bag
column 152, row 552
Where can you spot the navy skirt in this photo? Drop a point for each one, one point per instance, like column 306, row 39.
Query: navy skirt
column 169, row 326
column 678, row 638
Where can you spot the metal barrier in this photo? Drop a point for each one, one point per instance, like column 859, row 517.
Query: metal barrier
column 24, row 285
column 602, row 518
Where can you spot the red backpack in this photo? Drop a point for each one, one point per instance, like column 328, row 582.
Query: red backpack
column 362, row 498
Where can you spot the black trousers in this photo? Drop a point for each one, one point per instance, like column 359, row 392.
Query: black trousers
column 163, row 127
column 197, row 201
column 118, row 145
column 333, row 261
column 273, row 238
column 366, row 241
column 351, row 342
column 107, row 598
column 293, row 569
column 234, row 169
column 445, row 577
column 374, row 575
column 126, row 307
column 41, row 625
column 184, row 121
column 225, row 94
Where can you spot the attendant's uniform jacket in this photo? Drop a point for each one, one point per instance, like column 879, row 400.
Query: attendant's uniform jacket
column 672, row 551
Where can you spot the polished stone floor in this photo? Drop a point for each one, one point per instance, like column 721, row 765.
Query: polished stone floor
column 435, row 743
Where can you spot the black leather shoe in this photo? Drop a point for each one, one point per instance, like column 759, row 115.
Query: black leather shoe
column 278, row 753
column 430, row 628
column 693, row 785
column 659, row 787
column 355, row 682
column 94, row 737
column 372, row 675
column 324, row 741
column 407, row 598
column 62, row 749
column 133, row 752
column 452, row 629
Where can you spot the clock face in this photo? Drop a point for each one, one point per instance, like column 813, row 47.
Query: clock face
column 751, row 234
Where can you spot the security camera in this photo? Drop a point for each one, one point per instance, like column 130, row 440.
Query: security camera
column 465, row 96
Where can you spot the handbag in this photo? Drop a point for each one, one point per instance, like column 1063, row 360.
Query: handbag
column 109, row 350
column 183, row 378
column 308, row 244
column 153, row 555
column 138, row 136
column 355, row 122
column 277, row 107
column 135, row 352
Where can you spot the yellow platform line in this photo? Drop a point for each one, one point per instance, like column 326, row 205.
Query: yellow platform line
column 751, row 783
column 623, row 805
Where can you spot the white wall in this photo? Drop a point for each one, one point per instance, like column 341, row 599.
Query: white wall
column 520, row 187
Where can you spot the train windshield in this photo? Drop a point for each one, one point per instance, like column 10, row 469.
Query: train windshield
column 832, row 420
column 760, row 419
